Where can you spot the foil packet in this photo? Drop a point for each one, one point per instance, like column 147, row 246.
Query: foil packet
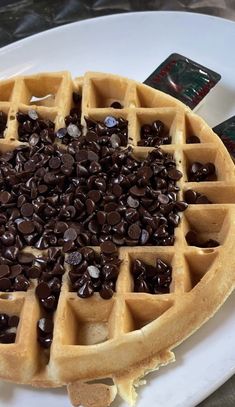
column 184, row 79
column 226, row 132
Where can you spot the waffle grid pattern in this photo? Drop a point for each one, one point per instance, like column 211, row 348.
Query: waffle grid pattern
column 89, row 338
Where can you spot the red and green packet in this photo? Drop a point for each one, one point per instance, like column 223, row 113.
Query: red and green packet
column 184, row 79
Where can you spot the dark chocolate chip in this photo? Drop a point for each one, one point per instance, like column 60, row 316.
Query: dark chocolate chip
column 106, row 292
column 190, row 196
column 108, row 247
column 134, row 231
column 5, row 284
column 43, row 290
column 26, row 227
column 193, row 139
column 4, row 270
column 7, row 337
column 70, row 234
column 13, row 321
column 45, row 326
column 116, row 105
column 74, row 258
column 86, row 290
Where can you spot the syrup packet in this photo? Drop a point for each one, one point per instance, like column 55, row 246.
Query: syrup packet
column 184, row 79
column 226, row 132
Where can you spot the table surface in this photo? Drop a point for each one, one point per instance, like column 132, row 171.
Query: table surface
column 21, row 18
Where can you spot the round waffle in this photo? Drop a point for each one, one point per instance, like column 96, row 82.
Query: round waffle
column 132, row 333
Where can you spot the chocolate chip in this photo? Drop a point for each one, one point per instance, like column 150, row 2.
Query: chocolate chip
column 110, row 272
column 108, row 247
column 49, row 303
column 181, row 206
column 45, row 325
column 93, row 271
column 86, row 290
column 54, row 163
column 106, row 292
column 191, row 238
column 45, row 341
column 117, row 190
column 34, row 272
column 21, row 283
column 116, row 105
column 13, row 321
column 174, row 174
column 144, row 237
column 16, row 269
column 3, row 321
column 11, row 253
column 115, row 141
column 67, row 160
column 190, row 196
column 61, row 133
column 5, row 284
column 202, row 199
column 113, row 218
column 110, row 121
column 90, row 206
column 43, row 291
column 25, row 227
column 5, row 197
column 74, row 258
column 27, row 210
column 7, row 337
column 4, row 270
column 73, row 130
column 94, row 195
column 141, row 286
column 133, row 203
column 70, row 234
column 134, row 231
column 33, row 114
column 138, row 192
column 25, row 258
column 163, row 199
column 193, row 139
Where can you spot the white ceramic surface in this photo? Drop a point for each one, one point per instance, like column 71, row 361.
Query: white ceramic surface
column 133, row 45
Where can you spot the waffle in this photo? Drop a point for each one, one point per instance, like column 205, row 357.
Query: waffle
column 132, row 333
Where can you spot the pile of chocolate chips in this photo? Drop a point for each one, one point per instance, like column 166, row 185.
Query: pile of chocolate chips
column 193, row 197
column 8, row 326
column 55, row 195
column 73, row 129
column 193, row 139
column 49, row 270
column 111, row 132
column 153, row 135
column 15, row 266
column 94, row 272
column 193, row 239
column 45, row 328
column 3, row 123
column 151, row 279
column 198, row 172
column 33, row 129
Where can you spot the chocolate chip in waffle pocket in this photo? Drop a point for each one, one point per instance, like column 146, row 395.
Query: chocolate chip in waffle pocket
column 107, row 240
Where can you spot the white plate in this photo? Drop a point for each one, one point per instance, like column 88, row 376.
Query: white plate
column 133, row 45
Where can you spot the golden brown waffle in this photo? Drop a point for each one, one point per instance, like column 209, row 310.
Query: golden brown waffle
column 133, row 333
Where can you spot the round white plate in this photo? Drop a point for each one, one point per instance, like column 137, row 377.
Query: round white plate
column 133, row 45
